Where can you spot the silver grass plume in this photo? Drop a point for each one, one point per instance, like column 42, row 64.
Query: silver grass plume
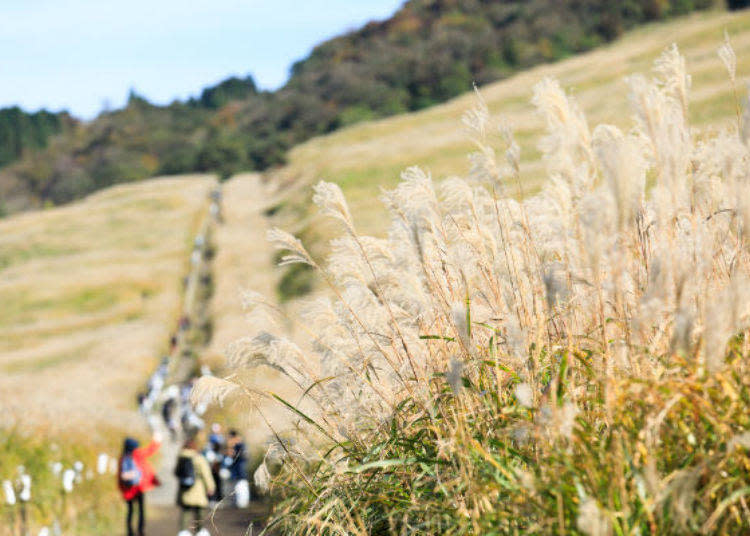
column 331, row 202
column 592, row 521
column 745, row 134
column 681, row 492
column 454, row 373
column 251, row 300
column 524, row 395
column 673, row 77
column 567, row 145
column 512, row 151
column 484, row 166
column 459, row 314
column 726, row 315
column 477, row 118
column 249, row 352
column 624, row 170
column 212, row 390
column 728, row 57
column 284, row 241
column 555, row 284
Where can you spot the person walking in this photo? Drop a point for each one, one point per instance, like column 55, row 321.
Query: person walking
column 214, row 454
column 236, row 461
column 237, row 456
column 169, row 408
column 196, row 484
column 135, row 477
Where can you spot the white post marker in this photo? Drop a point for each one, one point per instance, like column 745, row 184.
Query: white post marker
column 101, row 463
column 10, row 493
column 242, row 493
column 25, row 494
column 78, row 468
column 68, row 478
column 44, row 531
column 57, row 468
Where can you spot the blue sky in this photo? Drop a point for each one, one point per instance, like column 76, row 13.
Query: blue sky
column 80, row 54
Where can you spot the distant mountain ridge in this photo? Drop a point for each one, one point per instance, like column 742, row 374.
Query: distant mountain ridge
column 427, row 52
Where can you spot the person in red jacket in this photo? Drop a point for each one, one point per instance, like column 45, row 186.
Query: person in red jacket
column 135, row 477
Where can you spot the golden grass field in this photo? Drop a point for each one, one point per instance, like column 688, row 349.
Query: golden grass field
column 86, row 287
column 244, row 262
column 576, row 363
column 368, row 156
column 90, row 292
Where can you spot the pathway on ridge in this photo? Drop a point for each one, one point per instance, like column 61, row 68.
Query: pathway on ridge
column 183, row 364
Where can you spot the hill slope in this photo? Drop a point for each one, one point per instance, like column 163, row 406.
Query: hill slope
column 429, row 51
column 88, row 293
column 366, row 157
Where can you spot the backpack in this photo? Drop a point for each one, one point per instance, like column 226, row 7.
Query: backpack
column 130, row 468
column 185, row 472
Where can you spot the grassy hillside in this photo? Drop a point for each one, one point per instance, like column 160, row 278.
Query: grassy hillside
column 575, row 363
column 89, row 292
column 427, row 52
column 244, row 263
column 366, row 157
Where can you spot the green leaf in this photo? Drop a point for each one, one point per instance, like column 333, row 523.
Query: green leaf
column 382, row 464
column 437, row 338
column 307, row 419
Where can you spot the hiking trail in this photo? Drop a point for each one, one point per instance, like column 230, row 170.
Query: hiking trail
column 192, row 338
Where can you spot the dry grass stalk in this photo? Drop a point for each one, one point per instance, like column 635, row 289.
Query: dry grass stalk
column 574, row 359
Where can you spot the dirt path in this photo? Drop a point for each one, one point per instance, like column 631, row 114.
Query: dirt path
column 231, row 252
column 193, row 340
column 223, row 522
column 245, row 261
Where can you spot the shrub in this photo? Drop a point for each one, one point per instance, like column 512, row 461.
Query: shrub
column 297, row 281
column 223, row 155
column 738, row 4
column 573, row 363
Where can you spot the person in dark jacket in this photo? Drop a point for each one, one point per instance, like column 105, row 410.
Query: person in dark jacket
column 237, row 456
column 214, row 454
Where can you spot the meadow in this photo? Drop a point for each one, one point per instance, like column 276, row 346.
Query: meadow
column 243, row 269
column 365, row 158
column 539, row 329
column 520, row 355
column 86, row 289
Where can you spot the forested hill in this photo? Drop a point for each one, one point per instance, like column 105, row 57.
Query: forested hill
column 429, row 51
column 21, row 131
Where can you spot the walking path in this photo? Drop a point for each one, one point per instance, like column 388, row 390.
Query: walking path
column 193, row 337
